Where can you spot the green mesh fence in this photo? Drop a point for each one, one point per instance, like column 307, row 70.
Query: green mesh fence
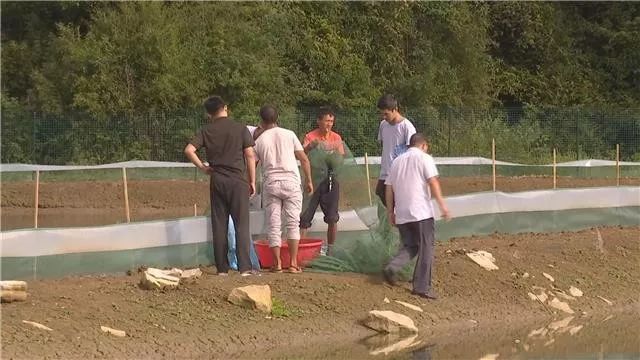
column 523, row 135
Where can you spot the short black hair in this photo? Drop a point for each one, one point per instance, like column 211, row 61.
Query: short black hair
column 418, row 139
column 214, row 104
column 324, row 111
column 387, row 102
column 269, row 114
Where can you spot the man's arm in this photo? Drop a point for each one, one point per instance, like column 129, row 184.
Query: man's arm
column 309, row 145
column 250, row 160
column 436, row 193
column 306, row 168
column 190, row 152
column 390, row 204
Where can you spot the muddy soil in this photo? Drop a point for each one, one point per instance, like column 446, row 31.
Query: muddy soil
column 84, row 203
column 323, row 311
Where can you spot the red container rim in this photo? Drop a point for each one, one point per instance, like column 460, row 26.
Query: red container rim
column 304, row 243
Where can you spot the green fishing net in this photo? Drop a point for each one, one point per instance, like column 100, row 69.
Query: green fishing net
column 365, row 250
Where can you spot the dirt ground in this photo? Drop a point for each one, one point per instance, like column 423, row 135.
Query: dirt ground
column 320, row 313
column 102, row 203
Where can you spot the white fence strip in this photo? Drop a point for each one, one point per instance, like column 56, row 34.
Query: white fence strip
column 373, row 160
column 198, row 229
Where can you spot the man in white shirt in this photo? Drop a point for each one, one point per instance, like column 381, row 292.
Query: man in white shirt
column 411, row 183
column 394, row 132
column 277, row 149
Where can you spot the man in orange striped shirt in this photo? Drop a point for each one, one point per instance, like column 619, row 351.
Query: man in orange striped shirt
column 327, row 146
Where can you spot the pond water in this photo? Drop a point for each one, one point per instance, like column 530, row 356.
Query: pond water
column 614, row 336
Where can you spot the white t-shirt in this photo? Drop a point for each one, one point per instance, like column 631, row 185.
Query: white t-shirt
column 251, row 129
column 395, row 140
column 275, row 150
column 408, row 176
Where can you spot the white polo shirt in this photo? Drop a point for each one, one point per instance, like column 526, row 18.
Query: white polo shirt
column 408, row 176
column 395, row 141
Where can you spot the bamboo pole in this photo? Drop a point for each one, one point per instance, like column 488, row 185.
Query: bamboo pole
column 617, row 164
column 366, row 166
column 126, row 195
column 555, row 170
column 195, row 209
column 493, row 159
column 36, row 200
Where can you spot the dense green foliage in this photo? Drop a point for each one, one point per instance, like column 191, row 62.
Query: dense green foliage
column 131, row 68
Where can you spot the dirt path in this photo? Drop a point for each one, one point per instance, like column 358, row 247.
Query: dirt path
column 86, row 203
column 196, row 321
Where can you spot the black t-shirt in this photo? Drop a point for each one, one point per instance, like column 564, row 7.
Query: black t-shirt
column 224, row 141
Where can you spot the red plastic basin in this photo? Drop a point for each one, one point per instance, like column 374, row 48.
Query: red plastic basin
column 308, row 249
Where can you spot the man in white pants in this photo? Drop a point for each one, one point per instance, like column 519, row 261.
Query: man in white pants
column 278, row 148
column 410, row 185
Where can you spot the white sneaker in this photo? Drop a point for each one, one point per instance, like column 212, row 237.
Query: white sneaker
column 251, row 273
column 323, row 250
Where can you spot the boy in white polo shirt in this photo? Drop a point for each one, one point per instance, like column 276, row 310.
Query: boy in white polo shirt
column 411, row 183
column 394, row 133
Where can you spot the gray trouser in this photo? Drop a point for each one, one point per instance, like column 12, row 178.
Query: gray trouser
column 416, row 238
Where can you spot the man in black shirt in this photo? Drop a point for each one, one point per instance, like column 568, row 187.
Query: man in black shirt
column 232, row 167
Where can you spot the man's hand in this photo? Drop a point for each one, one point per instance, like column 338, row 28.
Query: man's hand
column 252, row 189
column 444, row 212
column 392, row 217
column 207, row 170
column 309, row 187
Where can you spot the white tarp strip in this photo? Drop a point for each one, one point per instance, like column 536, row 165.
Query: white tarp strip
column 198, row 229
column 373, row 160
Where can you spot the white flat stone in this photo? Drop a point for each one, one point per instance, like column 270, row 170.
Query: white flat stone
column 389, row 322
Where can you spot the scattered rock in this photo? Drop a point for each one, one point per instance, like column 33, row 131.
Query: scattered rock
column 574, row 330
column 191, row 273
column 562, row 306
column 13, row 285
column 386, row 300
column 157, row 279
column 386, row 344
column 35, row 324
column 252, row 296
column 600, row 242
column 484, row 259
column 542, row 296
column 549, row 342
column 389, row 322
column 517, row 341
column 173, row 272
column 548, row 276
column 410, row 306
column 560, row 323
column 551, row 266
column 525, row 275
column 7, row 296
column 538, row 332
column 114, row 332
column 565, row 296
column 608, row 318
column 605, row 300
column 574, row 291
column 490, row 357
